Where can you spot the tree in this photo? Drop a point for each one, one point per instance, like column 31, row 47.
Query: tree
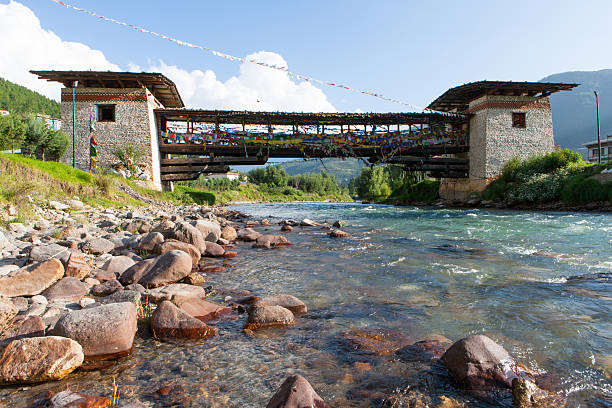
column 35, row 134
column 12, row 131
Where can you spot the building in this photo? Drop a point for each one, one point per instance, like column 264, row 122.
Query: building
column 51, row 123
column 606, row 150
column 4, row 112
column 230, row 175
column 506, row 120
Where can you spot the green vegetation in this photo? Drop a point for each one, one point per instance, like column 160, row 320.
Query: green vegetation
column 129, row 155
column 343, row 170
column 20, row 100
column 560, row 175
column 390, row 183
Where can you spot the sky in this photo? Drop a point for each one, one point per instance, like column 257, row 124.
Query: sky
column 406, row 50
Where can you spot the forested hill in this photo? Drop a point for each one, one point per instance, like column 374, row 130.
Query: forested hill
column 18, row 99
column 574, row 112
column 342, row 170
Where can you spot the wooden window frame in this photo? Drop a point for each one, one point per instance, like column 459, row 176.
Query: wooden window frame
column 519, row 120
column 103, row 106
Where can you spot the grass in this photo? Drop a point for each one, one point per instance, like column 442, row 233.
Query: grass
column 425, row 191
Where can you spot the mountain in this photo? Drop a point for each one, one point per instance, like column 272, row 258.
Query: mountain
column 342, row 170
column 19, row 99
column 574, row 118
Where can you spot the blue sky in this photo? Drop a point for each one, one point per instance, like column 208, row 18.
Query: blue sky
column 407, row 50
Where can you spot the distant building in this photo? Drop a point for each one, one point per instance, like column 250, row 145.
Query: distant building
column 229, row 175
column 52, row 123
column 606, row 150
column 4, row 112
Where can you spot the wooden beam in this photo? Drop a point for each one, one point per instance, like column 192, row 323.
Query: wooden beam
column 231, row 161
column 190, row 169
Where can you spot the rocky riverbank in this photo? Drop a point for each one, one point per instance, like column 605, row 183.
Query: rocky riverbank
column 79, row 284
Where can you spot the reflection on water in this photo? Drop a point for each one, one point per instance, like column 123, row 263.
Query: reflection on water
column 537, row 283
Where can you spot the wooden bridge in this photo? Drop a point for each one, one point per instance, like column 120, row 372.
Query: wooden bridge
column 209, row 141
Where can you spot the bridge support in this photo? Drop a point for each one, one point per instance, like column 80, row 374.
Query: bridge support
column 167, row 186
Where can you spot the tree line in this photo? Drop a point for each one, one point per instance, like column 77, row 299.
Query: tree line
column 33, row 137
column 19, row 99
column 274, row 177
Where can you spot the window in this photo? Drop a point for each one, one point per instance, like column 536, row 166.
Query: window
column 106, row 113
column 518, row 120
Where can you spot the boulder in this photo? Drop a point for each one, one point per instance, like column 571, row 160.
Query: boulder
column 199, row 308
column 122, row 296
column 104, row 331
column 287, row 301
column 173, row 244
column 8, row 311
column 76, row 204
column 271, row 241
column 247, row 234
column 149, row 241
column 70, row 399
column 478, row 363
column 339, row 224
column 42, row 253
column 67, row 289
column 158, row 295
column 22, row 327
column 5, row 244
column 135, row 272
column 296, row 392
column 118, row 264
column 229, row 233
column 77, row 266
column 306, row 222
column 39, row 359
column 194, row 278
column 375, row 340
column 168, row 268
column 165, row 228
column 209, row 230
column 168, row 321
column 104, row 276
column 56, row 205
column 32, row 279
column 106, row 288
column 98, row 246
column 185, row 232
column 339, row 234
column 214, row 249
column 265, row 316
column 286, row 228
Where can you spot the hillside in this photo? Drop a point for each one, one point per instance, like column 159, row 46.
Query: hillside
column 342, row 170
column 574, row 112
column 19, row 99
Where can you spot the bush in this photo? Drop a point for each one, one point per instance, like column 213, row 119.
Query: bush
column 516, row 170
column 581, row 190
column 129, row 155
column 424, row 191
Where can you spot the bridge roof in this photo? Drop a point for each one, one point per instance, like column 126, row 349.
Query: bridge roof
column 459, row 97
column 158, row 84
column 302, row 119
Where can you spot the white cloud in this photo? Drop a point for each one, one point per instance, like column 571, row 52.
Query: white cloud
column 26, row 45
column 255, row 88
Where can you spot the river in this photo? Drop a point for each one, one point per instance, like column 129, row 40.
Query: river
column 537, row 283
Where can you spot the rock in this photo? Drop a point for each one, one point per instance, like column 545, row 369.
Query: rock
column 375, row 340
column 91, row 282
column 106, row 288
column 165, row 227
column 103, row 331
column 248, row 234
column 339, row 234
column 209, row 230
column 478, row 363
column 42, row 253
column 7, row 269
column 168, row 268
column 213, row 249
column 230, row 254
column 229, row 233
column 39, row 359
column 33, row 279
column 104, row 276
column 5, row 244
column 118, row 264
column 86, row 302
column 287, row 228
column 150, row 240
column 199, row 308
column 36, row 309
column 339, row 224
column 77, row 266
column 177, row 289
column 56, row 205
column 70, row 399
column 168, row 321
column 194, row 278
column 67, row 289
column 271, row 241
column 135, row 287
column 76, row 204
column 185, row 232
column 98, row 246
column 17, row 228
column 122, row 296
column 39, row 299
column 309, row 223
column 8, row 311
column 173, row 244
column 287, row 301
column 265, row 316
column 135, row 272
column 424, row 351
column 20, row 304
column 296, row 392
column 22, row 327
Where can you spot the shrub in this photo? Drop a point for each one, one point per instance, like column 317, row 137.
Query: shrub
column 129, row 155
column 581, row 190
column 495, row 190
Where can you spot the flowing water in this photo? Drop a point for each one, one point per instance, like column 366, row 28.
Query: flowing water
column 540, row 284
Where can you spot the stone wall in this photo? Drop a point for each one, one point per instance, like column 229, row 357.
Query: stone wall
column 134, row 122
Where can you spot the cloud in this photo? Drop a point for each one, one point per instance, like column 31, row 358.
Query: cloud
column 26, row 45
column 255, row 88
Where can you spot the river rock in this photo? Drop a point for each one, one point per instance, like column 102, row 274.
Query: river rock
column 39, row 359
column 118, row 264
column 168, row 268
column 5, row 244
column 271, row 241
column 8, row 311
column 296, row 392
column 22, row 327
column 103, row 331
column 210, row 231
column 103, row 276
column 421, row 351
column 287, row 228
column 106, row 288
column 229, row 233
column 265, row 316
column 135, row 272
column 248, row 234
column 149, row 241
column 194, row 278
column 199, row 308
column 32, row 279
column 158, row 295
column 67, row 289
column 121, row 296
column 77, row 266
column 42, row 253
column 375, row 340
column 306, row 222
column 56, row 205
column 20, row 303
column 168, row 321
column 339, row 234
column 214, row 249
column 70, row 399
column 98, row 246
column 287, row 301
column 478, row 363
column 173, row 244
column 185, row 232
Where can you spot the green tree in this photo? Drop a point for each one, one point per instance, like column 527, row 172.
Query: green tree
column 35, row 135
column 271, row 175
column 12, row 131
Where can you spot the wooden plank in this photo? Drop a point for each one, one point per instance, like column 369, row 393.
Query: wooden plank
column 230, row 161
column 190, row 169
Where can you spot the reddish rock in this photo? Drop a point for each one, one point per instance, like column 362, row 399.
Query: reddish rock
column 425, row 350
column 7, row 312
column 212, row 269
column 32, row 279
column 77, row 266
column 230, row 254
column 168, row 268
column 246, row 300
column 374, row 340
column 199, row 308
column 287, row 228
column 214, row 249
column 265, row 316
column 173, row 244
column 22, row 327
column 158, row 295
column 133, row 274
column 185, row 232
column 194, row 278
column 339, row 234
column 296, row 392
column 119, row 264
column 168, row 321
column 149, row 241
column 104, row 276
column 67, row 289
column 229, row 233
column 248, row 234
column 362, row 366
column 106, row 288
column 287, row 301
column 271, row 241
